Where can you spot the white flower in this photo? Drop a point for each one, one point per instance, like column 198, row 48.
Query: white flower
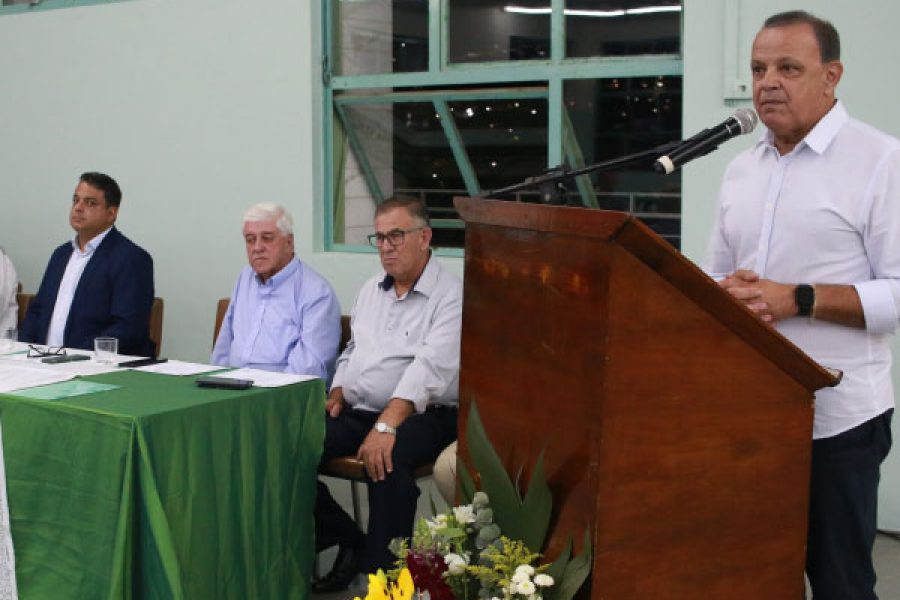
column 456, row 564
column 437, row 523
column 520, row 577
column 464, row 514
column 525, row 588
column 543, row 580
column 527, row 569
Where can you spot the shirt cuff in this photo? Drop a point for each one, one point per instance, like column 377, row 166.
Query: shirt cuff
column 879, row 310
column 411, row 393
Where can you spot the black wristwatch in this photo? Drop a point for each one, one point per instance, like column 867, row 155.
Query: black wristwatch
column 805, row 297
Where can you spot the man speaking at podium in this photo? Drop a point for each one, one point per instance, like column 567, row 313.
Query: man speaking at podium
column 808, row 236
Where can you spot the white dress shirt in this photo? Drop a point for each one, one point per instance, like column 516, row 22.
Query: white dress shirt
column 9, row 281
column 74, row 268
column 826, row 213
column 406, row 347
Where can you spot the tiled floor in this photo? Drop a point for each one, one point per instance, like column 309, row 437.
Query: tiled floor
column 887, row 550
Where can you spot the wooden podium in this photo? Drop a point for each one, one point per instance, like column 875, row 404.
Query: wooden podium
column 677, row 426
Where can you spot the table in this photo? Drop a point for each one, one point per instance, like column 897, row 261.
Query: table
column 160, row 489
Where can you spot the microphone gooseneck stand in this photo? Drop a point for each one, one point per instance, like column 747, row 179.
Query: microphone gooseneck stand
column 552, row 182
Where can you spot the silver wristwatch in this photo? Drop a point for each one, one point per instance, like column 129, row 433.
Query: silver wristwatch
column 382, row 427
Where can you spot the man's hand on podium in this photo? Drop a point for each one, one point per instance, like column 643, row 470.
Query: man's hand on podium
column 771, row 300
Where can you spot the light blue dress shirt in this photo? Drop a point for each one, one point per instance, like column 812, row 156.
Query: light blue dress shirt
column 291, row 323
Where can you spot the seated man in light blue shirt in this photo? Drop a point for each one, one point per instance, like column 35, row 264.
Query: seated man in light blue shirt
column 283, row 315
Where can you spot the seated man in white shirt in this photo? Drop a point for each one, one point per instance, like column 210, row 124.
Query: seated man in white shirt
column 283, row 316
column 394, row 399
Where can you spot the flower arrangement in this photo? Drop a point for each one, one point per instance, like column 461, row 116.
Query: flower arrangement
column 486, row 549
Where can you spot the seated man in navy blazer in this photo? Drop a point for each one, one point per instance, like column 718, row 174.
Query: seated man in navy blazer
column 99, row 284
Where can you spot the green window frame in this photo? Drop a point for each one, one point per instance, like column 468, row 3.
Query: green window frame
column 39, row 5
column 436, row 85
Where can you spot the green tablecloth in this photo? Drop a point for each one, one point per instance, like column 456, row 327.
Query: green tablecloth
column 161, row 489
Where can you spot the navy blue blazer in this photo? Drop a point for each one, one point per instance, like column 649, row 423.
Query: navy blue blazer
column 113, row 298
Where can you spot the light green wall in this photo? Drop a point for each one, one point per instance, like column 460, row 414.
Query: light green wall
column 869, row 89
column 201, row 108
column 197, row 108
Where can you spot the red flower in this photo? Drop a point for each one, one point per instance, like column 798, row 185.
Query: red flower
column 427, row 572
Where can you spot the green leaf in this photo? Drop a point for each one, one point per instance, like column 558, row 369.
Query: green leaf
column 538, row 505
column 575, row 572
column 558, row 567
column 495, row 481
column 465, row 482
column 452, row 532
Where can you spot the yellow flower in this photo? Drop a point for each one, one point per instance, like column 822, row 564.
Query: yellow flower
column 381, row 589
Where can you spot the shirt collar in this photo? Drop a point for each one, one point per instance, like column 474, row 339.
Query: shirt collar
column 286, row 272
column 425, row 283
column 92, row 245
column 821, row 136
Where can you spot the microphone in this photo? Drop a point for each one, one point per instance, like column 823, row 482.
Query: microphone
column 742, row 121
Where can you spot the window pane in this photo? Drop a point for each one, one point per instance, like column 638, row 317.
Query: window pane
column 506, row 140
column 612, row 118
column 381, row 36
column 406, row 152
column 494, row 30
column 622, row 27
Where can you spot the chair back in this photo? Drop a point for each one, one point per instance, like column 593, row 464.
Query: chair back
column 345, row 333
column 156, row 323
column 221, row 309
column 23, row 300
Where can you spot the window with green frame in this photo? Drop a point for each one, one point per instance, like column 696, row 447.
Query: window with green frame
column 22, row 6
column 442, row 98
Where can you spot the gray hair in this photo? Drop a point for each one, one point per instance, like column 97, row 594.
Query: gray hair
column 413, row 206
column 269, row 211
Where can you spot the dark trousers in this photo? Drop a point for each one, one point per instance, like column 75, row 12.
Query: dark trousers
column 843, row 509
column 392, row 502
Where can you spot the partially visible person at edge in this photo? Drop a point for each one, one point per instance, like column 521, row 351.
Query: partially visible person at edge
column 9, row 283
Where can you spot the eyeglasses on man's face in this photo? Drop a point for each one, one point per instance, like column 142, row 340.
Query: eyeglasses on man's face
column 394, row 237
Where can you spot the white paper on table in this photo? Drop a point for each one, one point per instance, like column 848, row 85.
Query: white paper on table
column 83, row 367
column 262, row 378
column 8, row 588
column 17, row 347
column 74, row 368
column 16, row 376
column 178, row 367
